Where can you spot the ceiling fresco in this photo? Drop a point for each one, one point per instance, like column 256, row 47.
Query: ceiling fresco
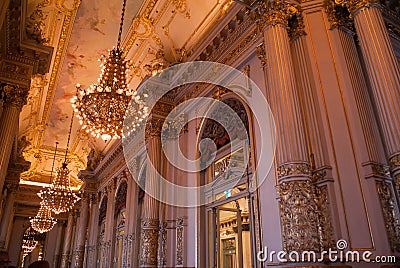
column 94, row 32
column 80, row 32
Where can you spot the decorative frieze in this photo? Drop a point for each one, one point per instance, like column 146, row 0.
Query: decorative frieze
column 149, row 242
column 390, row 213
column 299, row 216
column 162, row 250
column 179, row 241
column 297, row 170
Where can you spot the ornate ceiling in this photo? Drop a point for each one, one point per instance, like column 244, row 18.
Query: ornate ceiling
column 80, row 31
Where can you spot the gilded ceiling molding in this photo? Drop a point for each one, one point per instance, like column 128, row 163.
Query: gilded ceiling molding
column 182, row 7
column 65, row 34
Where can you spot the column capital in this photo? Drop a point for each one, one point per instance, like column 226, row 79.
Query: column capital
column 355, row 5
column 14, row 95
column 153, row 127
column 272, row 12
column 338, row 14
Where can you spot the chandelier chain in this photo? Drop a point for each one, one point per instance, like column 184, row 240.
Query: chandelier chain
column 54, row 160
column 69, row 136
column 121, row 24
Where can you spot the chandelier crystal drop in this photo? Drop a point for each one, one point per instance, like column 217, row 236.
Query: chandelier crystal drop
column 59, row 196
column 43, row 221
column 102, row 107
column 29, row 242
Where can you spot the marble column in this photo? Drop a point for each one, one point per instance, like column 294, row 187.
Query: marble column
column 67, row 241
column 7, row 214
column 150, row 213
column 384, row 74
column 15, row 97
column 93, row 231
column 81, row 227
column 296, row 193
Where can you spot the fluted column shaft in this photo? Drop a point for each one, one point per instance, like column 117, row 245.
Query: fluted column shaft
column 93, row 232
column 56, row 260
column 15, row 98
column 383, row 70
column 7, row 216
column 150, row 213
column 293, row 169
column 67, row 241
column 81, row 234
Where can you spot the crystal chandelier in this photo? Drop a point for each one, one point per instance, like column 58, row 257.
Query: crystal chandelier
column 59, row 197
column 101, row 108
column 28, row 241
column 43, row 221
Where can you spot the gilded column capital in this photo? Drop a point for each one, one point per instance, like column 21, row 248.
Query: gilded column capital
column 272, row 12
column 296, row 25
column 15, row 95
column 154, row 127
column 338, row 14
column 356, row 5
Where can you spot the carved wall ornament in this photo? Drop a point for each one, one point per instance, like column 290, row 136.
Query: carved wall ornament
column 35, row 25
column 274, row 12
column 390, row 213
column 260, row 53
column 299, row 216
column 182, row 7
column 288, row 170
column 395, row 162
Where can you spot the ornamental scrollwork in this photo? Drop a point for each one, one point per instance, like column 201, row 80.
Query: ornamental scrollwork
column 390, row 213
column 325, row 227
column 179, row 241
column 338, row 15
column 149, row 242
column 275, row 12
column 293, row 170
column 299, row 216
column 15, row 95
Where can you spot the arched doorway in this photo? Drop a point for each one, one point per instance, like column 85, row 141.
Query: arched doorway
column 229, row 217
